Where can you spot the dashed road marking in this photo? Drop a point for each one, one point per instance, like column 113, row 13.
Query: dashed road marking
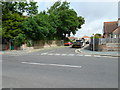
column 88, row 55
column 71, row 54
column 57, row 54
column 63, row 54
column 97, row 56
column 57, row 65
column 51, row 54
column 79, row 55
column 44, row 53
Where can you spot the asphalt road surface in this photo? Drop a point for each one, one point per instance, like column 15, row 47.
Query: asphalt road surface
column 58, row 68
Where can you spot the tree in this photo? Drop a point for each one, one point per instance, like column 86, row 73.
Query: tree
column 97, row 35
column 19, row 39
column 66, row 19
column 38, row 27
column 20, row 7
column 32, row 8
column 12, row 17
column 11, row 25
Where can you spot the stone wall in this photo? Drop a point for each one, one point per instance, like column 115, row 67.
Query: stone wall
column 110, row 47
column 37, row 45
column 49, row 43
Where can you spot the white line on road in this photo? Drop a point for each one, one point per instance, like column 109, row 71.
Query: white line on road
column 50, row 54
column 79, row 55
column 58, row 65
column 56, row 54
column 63, row 54
column 44, row 53
column 97, row 56
column 70, row 54
column 88, row 55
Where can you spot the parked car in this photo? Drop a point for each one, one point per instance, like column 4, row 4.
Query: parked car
column 78, row 43
column 67, row 43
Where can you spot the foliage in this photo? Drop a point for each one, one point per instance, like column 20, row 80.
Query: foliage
column 66, row 19
column 97, row 35
column 11, row 25
column 20, row 7
column 19, row 40
column 55, row 23
column 12, row 17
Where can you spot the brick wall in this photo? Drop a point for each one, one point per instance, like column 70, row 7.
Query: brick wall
column 110, row 47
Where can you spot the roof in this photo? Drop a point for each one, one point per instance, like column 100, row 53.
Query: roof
column 117, row 31
column 72, row 37
column 85, row 37
column 109, row 27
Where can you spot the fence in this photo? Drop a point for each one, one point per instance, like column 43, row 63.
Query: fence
column 101, row 41
column 105, row 44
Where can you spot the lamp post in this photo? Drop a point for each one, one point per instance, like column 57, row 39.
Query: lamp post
column 93, row 43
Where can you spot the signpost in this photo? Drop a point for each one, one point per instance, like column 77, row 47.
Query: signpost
column 93, row 43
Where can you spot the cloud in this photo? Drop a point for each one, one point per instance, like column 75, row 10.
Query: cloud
column 95, row 13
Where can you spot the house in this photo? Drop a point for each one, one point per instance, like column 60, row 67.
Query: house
column 112, row 29
column 73, row 38
column 87, row 38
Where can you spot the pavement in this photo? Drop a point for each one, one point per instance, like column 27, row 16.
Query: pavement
column 100, row 53
column 26, row 51
column 58, row 68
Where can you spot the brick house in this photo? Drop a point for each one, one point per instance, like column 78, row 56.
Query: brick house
column 87, row 38
column 73, row 38
column 111, row 29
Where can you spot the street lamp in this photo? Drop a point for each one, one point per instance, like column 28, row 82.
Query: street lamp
column 93, row 43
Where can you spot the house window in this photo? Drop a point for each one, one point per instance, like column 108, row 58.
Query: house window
column 115, row 36
column 118, row 22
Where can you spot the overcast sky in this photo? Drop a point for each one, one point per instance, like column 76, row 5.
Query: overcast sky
column 95, row 13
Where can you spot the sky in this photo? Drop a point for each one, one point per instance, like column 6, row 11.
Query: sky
column 94, row 12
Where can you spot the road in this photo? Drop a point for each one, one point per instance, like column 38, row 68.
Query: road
column 58, row 68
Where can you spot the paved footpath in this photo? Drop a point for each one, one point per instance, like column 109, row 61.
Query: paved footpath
column 105, row 53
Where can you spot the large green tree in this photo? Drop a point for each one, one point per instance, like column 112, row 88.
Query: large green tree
column 11, row 25
column 39, row 27
column 66, row 19
column 12, row 17
column 20, row 7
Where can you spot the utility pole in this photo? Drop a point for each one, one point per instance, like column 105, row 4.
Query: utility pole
column 93, row 43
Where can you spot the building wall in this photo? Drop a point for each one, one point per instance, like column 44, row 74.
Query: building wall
column 110, row 47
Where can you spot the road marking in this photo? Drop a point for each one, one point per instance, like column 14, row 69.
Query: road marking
column 96, row 56
column 63, row 54
column 58, row 65
column 44, row 53
column 70, row 54
column 57, row 54
column 79, row 55
column 88, row 55
column 50, row 54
